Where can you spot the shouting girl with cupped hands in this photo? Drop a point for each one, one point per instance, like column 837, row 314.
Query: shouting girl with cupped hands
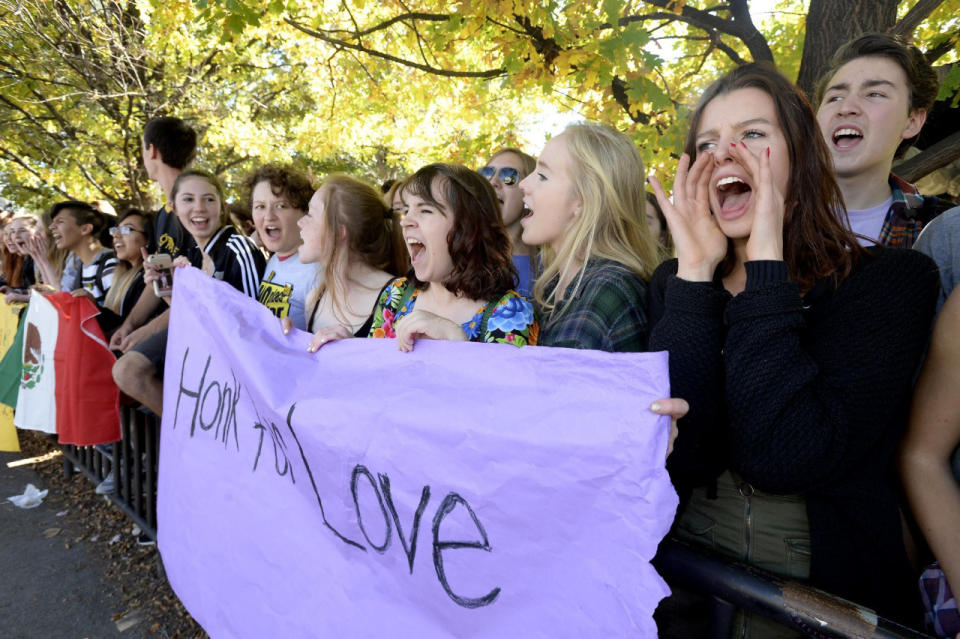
column 796, row 349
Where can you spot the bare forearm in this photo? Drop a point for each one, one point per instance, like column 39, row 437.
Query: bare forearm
column 935, row 497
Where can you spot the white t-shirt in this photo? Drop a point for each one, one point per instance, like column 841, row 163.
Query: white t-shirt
column 869, row 222
column 286, row 282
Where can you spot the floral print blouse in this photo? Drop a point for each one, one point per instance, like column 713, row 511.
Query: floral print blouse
column 511, row 321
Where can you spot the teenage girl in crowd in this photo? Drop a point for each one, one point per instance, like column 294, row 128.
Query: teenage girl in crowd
column 278, row 197
column 17, row 267
column 505, row 169
column 460, row 287
column 794, row 356
column 80, row 229
column 350, row 230
column 586, row 208
column 931, row 484
column 219, row 250
column 132, row 234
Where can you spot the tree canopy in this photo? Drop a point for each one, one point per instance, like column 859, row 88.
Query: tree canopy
column 379, row 88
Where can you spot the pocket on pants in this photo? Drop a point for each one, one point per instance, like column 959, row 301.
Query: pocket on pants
column 697, row 528
column 798, row 557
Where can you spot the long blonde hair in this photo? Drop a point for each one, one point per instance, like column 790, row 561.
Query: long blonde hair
column 608, row 178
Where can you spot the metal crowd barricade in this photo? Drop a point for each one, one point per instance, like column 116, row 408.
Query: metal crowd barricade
column 800, row 607
column 134, row 460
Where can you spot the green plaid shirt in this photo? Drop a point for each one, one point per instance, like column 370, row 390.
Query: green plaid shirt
column 607, row 313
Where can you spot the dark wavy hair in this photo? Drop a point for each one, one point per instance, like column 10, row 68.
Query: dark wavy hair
column 84, row 213
column 478, row 243
column 816, row 244
column 285, row 181
column 173, row 138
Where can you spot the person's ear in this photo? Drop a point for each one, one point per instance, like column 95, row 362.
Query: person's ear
column 86, row 229
column 578, row 208
column 915, row 121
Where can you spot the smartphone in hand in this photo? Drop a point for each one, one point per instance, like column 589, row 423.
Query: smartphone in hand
column 162, row 262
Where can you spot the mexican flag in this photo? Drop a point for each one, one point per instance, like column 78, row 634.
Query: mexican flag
column 10, row 367
column 66, row 385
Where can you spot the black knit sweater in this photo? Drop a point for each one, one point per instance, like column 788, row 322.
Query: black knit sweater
column 806, row 395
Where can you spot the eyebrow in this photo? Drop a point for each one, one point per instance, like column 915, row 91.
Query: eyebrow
column 543, row 165
column 845, row 86
column 738, row 125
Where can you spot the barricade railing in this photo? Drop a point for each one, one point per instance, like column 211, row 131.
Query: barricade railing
column 730, row 585
column 807, row 610
column 134, row 461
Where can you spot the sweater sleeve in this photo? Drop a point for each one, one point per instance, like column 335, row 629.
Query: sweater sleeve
column 687, row 321
column 813, row 395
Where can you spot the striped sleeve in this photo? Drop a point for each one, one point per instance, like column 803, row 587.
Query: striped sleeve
column 106, row 276
column 248, row 265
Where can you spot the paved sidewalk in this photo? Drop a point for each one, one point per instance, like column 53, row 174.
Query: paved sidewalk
column 47, row 590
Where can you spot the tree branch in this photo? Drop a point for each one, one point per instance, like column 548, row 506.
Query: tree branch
column 13, row 157
column 386, row 24
column 917, row 14
column 740, row 26
column 620, row 95
column 489, row 73
column 944, row 47
column 930, row 159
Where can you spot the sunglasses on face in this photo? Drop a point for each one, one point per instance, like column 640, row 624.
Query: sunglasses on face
column 123, row 230
column 508, row 176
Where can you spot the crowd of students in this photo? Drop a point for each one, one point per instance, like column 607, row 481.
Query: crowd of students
column 779, row 276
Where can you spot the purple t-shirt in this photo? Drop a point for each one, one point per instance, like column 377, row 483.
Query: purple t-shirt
column 869, row 222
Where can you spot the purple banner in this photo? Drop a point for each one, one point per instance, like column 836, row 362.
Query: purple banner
column 459, row 490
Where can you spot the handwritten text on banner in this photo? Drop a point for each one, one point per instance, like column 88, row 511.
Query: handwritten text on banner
column 458, row 490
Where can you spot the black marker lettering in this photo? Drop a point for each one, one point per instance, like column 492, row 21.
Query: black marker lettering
column 449, row 503
column 411, row 549
column 359, row 470
column 203, row 404
column 189, row 393
column 313, row 484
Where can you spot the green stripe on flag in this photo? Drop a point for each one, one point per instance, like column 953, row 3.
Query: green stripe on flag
column 11, row 368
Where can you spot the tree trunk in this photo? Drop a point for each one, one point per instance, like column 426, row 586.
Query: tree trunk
column 830, row 23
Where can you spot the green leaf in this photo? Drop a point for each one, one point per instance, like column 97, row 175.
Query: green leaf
column 613, row 9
